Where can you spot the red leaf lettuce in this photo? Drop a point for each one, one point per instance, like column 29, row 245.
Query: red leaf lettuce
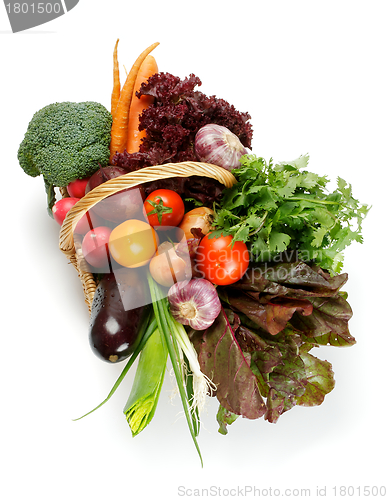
column 257, row 350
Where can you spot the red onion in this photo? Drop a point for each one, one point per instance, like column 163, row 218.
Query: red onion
column 194, row 303
column 117, row 207
column 218, row 145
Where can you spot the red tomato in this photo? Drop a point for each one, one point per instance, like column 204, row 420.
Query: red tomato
column 60, row 210
column 219, row 262
column 95, row 246
column 164, row 208
column 76, row 188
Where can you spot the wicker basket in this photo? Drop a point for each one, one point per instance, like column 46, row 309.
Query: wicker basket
column 72, row 248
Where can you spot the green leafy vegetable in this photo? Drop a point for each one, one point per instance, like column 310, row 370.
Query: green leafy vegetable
column 328, row 324
column 168, row 328
column 257, row 350
column 297, row 295
column 222, row 360
column 142, row 401
column 320, row 380
column 271, row 316
column 224, row 418
column 285, row 208
column 285, row 380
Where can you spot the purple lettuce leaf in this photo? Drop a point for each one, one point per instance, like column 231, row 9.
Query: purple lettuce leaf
column 171, row 122
column 306, row 299
column 258, row 348
column 275, row 406
column 278, row 366
column 225, row 418
column 320, row 380
column 287, row 374
column 287, row 379
column 272, row 316
column 223, row 361
column 266, row 353
column 328, row 323
column 291, row 279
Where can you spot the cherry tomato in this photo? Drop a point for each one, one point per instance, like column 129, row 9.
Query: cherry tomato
column 60, row 210
column 76, row 188
column 133, row 243
column 164, row 208
column 95, row 246
column 219, row 262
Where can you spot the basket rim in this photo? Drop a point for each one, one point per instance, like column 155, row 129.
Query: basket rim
column 133, row 179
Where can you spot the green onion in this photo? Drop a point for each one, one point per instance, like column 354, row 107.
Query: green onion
column 201, row 383
column 190, row 396
column 144, row 396
column 166, row 328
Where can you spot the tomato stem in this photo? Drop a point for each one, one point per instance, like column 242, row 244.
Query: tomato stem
column 159, row 208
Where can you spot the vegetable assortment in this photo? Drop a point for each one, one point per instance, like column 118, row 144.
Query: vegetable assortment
column 235, row 286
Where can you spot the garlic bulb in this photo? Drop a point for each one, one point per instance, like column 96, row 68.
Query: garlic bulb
column 218, row 145
column 194, row 303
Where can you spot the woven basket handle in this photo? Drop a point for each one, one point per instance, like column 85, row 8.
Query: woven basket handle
column 132, row 179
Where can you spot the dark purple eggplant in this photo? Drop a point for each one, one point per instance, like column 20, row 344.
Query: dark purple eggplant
column 118, row 310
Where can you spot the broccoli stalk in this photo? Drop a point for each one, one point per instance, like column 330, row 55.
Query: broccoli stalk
column 51, row 199
column 66, row 141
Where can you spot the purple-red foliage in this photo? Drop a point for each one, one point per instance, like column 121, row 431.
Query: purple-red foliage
column 174, row 118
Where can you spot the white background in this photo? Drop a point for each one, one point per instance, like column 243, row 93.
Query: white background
column 313, row 77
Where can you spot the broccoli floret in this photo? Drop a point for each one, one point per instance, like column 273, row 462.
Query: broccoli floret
column 66, row 141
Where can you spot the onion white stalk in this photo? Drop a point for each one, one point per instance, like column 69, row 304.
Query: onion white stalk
column 202, row 385
column 176, row 341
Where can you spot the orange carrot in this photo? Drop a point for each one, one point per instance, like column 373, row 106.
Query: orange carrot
column 147, row 69
column 116, row 81
column 119, row 131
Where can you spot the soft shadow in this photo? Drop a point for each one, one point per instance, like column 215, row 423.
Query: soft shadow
column 27, row 32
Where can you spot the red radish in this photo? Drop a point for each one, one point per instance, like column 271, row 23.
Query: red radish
column 95, row 246
column 76, row 188
column 60, row 210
